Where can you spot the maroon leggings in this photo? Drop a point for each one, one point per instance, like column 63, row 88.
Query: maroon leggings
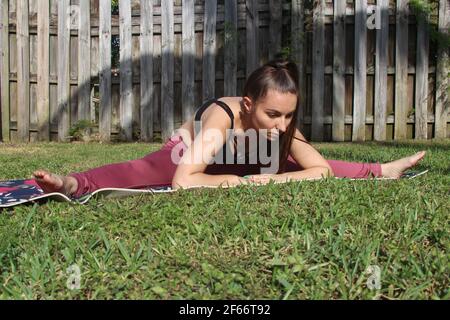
column 158, row 169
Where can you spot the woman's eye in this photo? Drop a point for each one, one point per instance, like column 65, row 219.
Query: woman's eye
column 272, row 115
column 289, row 115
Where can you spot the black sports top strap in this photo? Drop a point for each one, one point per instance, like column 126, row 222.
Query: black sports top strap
column 222, row 104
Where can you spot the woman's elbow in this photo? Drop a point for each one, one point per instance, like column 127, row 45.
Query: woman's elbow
column 328, row 172
column 180, row 181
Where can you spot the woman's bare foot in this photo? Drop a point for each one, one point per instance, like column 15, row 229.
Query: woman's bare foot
column 50, row 182
column 395, row 168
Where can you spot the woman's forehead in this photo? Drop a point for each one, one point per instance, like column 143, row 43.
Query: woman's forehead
column 282, row 101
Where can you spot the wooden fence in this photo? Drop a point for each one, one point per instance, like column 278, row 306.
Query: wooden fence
column 367, row 68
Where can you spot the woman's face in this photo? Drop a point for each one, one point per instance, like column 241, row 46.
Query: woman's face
column 273, row 112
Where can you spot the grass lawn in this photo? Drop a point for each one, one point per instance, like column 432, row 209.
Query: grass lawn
column 312, row 240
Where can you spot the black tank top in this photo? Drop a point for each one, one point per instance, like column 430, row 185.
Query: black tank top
column 227, row 109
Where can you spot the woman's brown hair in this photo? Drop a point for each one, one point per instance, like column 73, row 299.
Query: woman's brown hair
column 280, row 75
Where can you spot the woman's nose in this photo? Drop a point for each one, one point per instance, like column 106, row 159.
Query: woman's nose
column 281, row 126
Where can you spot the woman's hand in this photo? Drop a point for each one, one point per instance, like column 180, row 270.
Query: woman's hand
column 261, row 178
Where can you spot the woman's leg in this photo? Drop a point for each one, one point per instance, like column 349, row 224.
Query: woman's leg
column 344, row 169
column 359, row 170
column 155, row 169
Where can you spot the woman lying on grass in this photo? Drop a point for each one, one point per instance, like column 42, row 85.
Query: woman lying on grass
column 265, row 116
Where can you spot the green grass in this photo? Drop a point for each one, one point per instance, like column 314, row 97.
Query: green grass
column 310, row 240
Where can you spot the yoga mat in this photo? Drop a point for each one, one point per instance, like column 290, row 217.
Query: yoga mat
column 16, row 192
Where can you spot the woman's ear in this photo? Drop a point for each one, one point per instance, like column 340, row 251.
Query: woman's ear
column 247, row 105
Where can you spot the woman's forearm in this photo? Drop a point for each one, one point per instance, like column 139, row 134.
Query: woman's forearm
column 311, row 173
column 203, row 179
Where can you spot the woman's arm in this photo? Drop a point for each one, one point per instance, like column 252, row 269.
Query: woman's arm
column 210, row 139
column 315, row 166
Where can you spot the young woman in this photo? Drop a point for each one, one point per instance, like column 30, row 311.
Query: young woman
column 267, row 109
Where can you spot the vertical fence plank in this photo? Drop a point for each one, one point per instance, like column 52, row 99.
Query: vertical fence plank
column 401, row 70
column 381, row 72
column 84, row 60
column 230, row 52
column 275, row 27
column 23, row 72
column 63, row 69
column 4, row 70
column 421, row 98
column 105, row 70
column 43, row 86
column 252, row 35
column 188, row 60
column 318, row 72
column 298, row 54
column 442, row 76
column 167, row 69
column 338, row 130
column 146, row 43
column 360, row 78
column 126, row 96
column 95, row 72
column 209, row 49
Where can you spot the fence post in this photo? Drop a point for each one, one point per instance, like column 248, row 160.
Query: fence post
column 421, row 98
column 230, row 50
column 105, row 70
column 167, row 76
column 43, row 87
column 360, row 74
column 63, row 69
column 318, row 72
column 146, row 43
column 252, row 35
column 275, row 27
column 442, row 74
column 188, row 59
column 298, row 53
column 401, row 70
column 126, row 97
column 209, row 49
column 84, row 60
column 23, row 72
column 4, row 70
column 379, row 128
column 339, row 72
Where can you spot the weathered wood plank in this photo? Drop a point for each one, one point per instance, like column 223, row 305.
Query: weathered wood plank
column 105, row 109
column 63, row 69
column 275, row 29
column 230, row 52
column 299, row 44
column 146, row 72
column 338, row 129
column 84, row 61
column 318, row 77
column 421, row 97
column 442, row 74
column 360, row 79
column 167, row 70
column 401, row 69
column 126, row 94
column 188, row 60
column 209, row 50
column 381, row 61
column 4, row 71
column 23, row 72
column 43, row 65
column 252, row 35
